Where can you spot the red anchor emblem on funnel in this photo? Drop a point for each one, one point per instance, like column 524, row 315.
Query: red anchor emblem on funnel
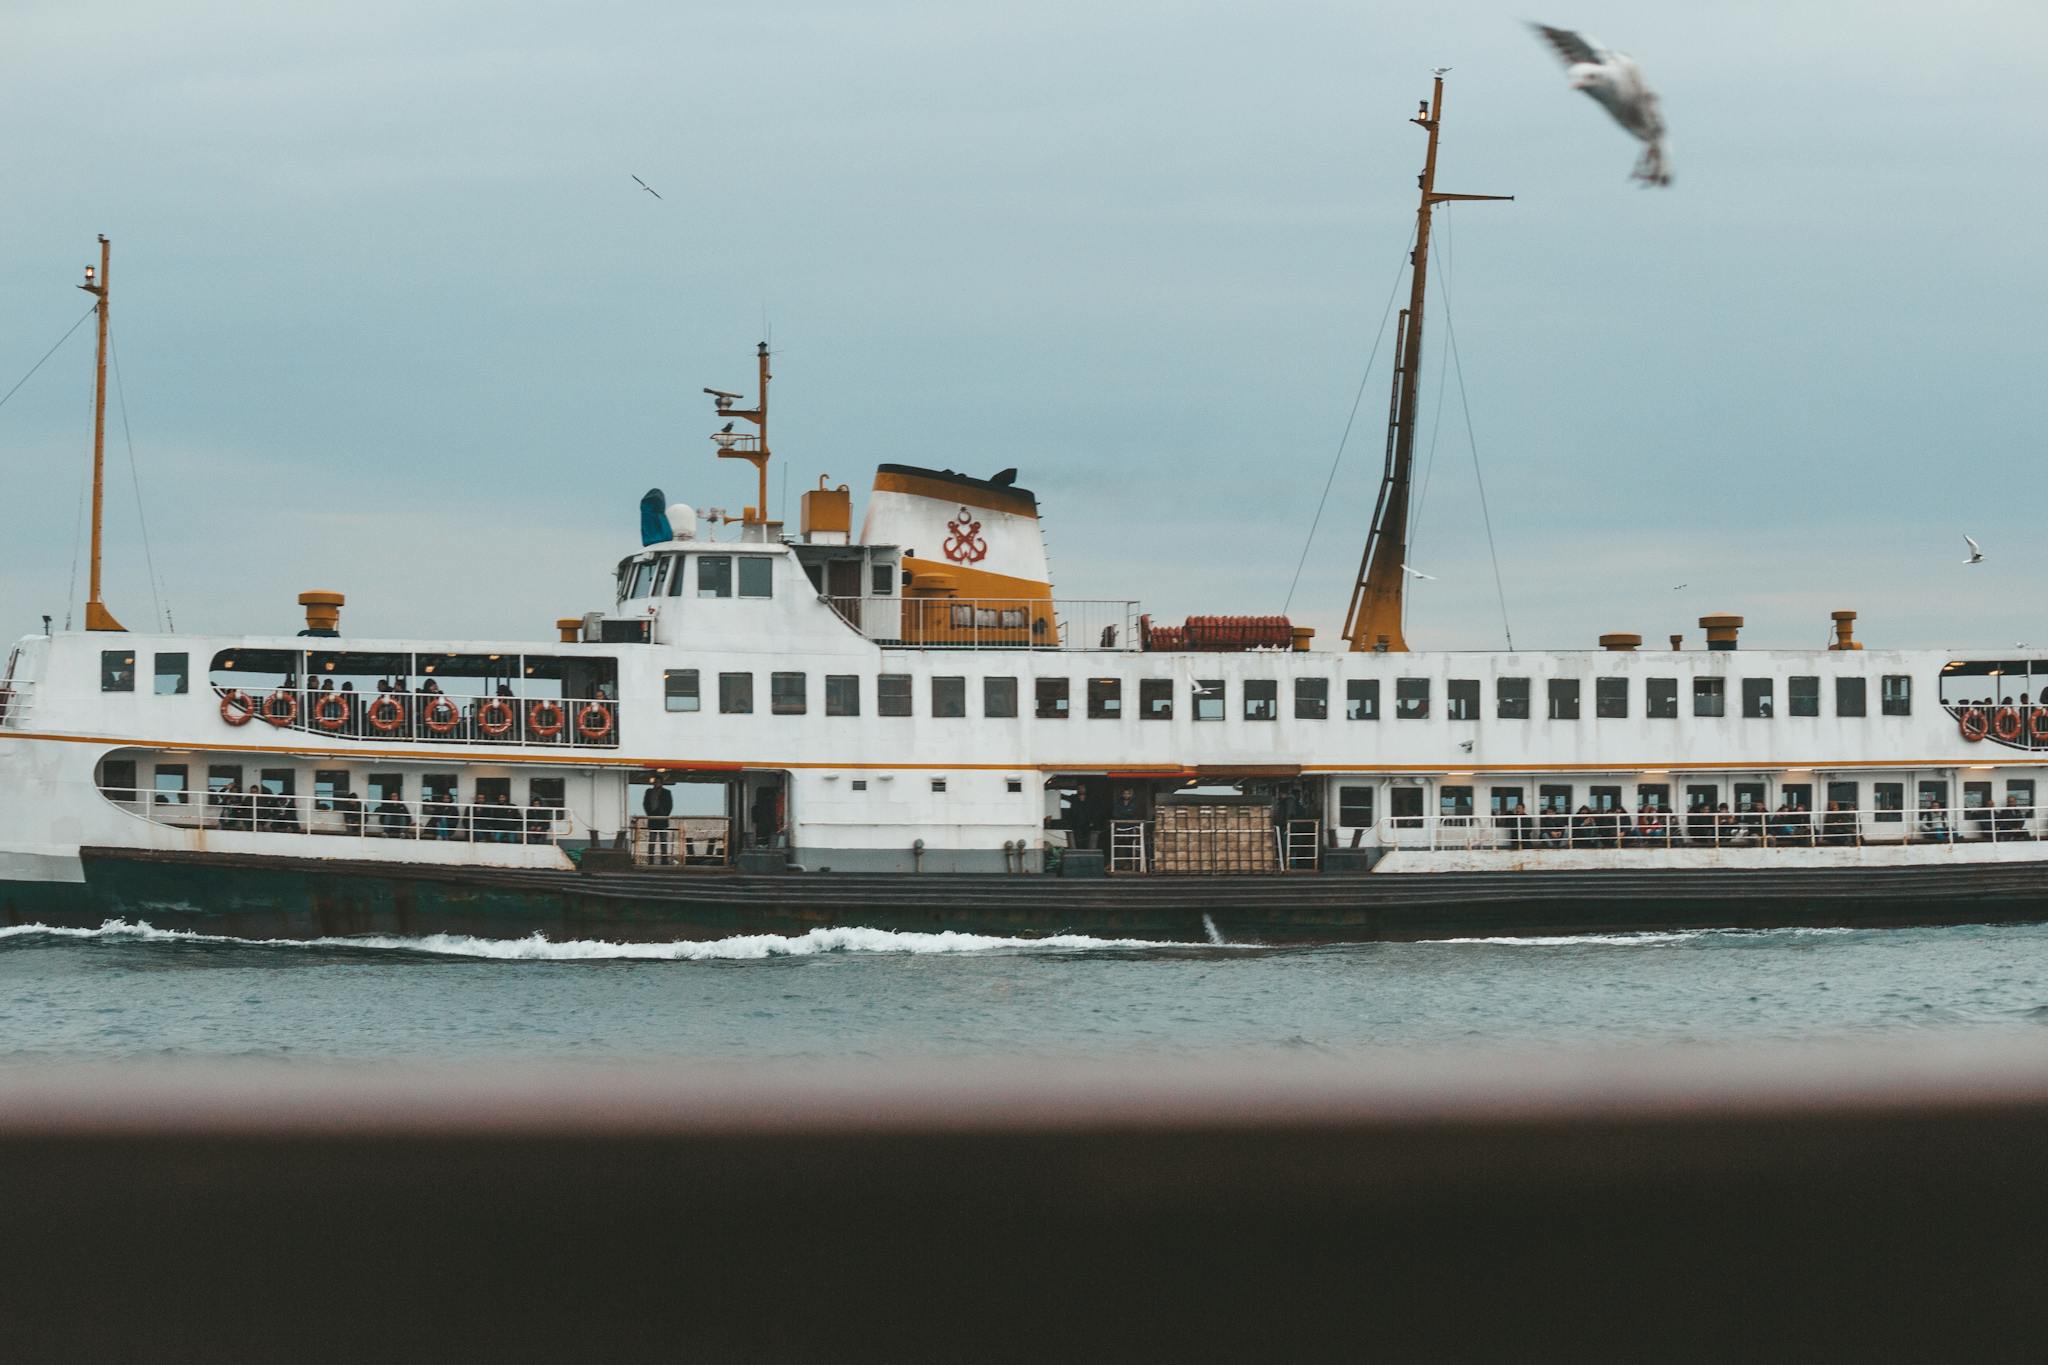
column 964, row 544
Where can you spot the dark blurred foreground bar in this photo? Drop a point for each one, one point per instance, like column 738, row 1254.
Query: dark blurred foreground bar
column 1882, row 1202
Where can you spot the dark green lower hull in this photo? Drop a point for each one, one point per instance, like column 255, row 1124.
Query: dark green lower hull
column 304, row 898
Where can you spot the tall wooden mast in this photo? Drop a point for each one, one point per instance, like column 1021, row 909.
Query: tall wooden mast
column 753, row 449
column 1374, row 619
column 97, row 617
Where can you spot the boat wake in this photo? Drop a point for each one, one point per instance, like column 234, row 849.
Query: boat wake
column 535, row 948
column 1645, row 937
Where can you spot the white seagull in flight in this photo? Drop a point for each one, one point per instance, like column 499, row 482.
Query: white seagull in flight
column 1614, row 79
column 1417, row 573
column 1976, row 554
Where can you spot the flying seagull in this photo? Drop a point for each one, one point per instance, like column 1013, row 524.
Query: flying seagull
column 1976, row 554
column 1417, row 573
column 644, row 185
column 1680, row 587
column 1614, row 79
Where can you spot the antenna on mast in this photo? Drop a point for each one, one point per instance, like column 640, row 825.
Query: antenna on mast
column 752, row 449
column 97, row 617
column 1374, row 618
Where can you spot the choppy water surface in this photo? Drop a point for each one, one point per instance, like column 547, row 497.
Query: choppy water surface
column 127, row 992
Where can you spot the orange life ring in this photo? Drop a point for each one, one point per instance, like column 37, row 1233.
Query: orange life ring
column 593, row 721
column 386, row 713
column 440, row 715
column 545, row 728
column 235, row 707
column 2005, row 724
column 1975, row 723
column 335, row 718
column 280, row 708
column 2037, row 725
column 496, row 717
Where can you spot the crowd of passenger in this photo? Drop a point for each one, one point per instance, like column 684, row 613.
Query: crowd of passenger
column 1751, row 824
column 490, row 819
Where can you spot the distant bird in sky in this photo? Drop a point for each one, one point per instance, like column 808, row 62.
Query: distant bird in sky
column 1614, row 79
column 1976, row 553
column 644, row 185
column 1417, row 573
column 1680, row 587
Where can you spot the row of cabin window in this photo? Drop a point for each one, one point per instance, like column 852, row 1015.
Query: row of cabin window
column 717, row 576
column 1355, row 804
column 1052, row 699
column 173, row 672
column 170, row 785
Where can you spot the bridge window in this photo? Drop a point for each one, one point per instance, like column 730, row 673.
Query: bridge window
column 1311, row 698
column 1411, row 698
column 1053, row 698
column 1564, row 698
column 714, row 575
column 1511, row 698
column 1802, row 696
column 1710, row 696
column 949, row 698
column 1756, row 698
column 1895, row 695
column 117, row 670
column 1461, row 700
column 1261, row 699
column 786, row 694
column 1105, row 698
column 1362, row 699
column 892, row 694
column 1155, row 699
column 1852, row 696
column 736, row 694
column 1660, row 698
column 679, row 689
column 1610, row 698
column 1208, row 699
column 999, row 698
column 757, row 576
column 639, row 576
column 842, row 694
column 173, row 674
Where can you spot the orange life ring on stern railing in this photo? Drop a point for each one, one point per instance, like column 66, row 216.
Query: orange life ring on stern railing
column 2005, row 723
column 280, row 709
column 1975, row 723
column 496, row 717
column 552, row 725
column 2037, row 726
column 593, row 721
column 328, row 719
column 236, row 707
column 440, row 715
column 385, row 713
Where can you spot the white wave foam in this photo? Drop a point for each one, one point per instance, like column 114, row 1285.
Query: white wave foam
column 535, row 948
column 1650, row 937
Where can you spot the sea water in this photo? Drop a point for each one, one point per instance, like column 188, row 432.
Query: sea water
column 129, row 992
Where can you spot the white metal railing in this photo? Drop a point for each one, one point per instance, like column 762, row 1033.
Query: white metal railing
column 433, row 717
column 359, row 817
column 14, row 704
column 681, row 840
column 994, row 622
column 1297, row 847
column 1754, row 828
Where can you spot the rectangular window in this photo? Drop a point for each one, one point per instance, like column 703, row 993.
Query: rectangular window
column 1411, row 699
column 1756, row 698
column 859, row 784
column 117, row 778
column 1802, row 696
column 1604, row 798
column 1842, row 794
column 1653, row 796
column 1933, row 803
column 1014, row 785
column 1749, row 796
column 2020, row 792
column 1406, row 803
column 173, row 675
column 1053, row 701
column 842, row 694
column 1895, row 695
column 1453, row 801
column 1504, row 800
column 1799, row 794
column 1610, row 698
column 1155, row 699
column 1354, row 807
column 679, row 689
column 714, row 575
column 1852, row 696
column 328, row 784
column 1208, row 699
column 881, row 579
column 892, row 694
column 1660, row 698
column 675, row 577
column 548, row 793
column 1362, row 699
column 1710, row 696
column 172, row 780
column 1511, row 698
column 384, row 786
column 1889, row 800
column 1261, row 699
column 1311, row 698
column 736, row 694
column 660, row 575
column 1461, row 699
column 786, row 694
column 1554, row 800
column 221, row 776
column 938, row 784
column 757, row 576
column 949, row 698
column 117, row 670
column 999, row 698
column 1105, row 699
column 1564, row 698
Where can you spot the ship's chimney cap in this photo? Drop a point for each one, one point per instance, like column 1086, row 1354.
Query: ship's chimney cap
column 1721, row 620
column 1841, row 615
column 1620, row 640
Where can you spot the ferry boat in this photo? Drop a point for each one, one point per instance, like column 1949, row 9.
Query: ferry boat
column 903, row 726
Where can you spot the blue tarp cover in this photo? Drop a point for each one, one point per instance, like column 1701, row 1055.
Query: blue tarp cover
column 654, row 527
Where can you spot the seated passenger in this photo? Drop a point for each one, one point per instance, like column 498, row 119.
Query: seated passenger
column 1838, row 827
column 1620, row 829
column 1934, row 821
column 1699, row 824
column 394, row 817
column 1784, row 826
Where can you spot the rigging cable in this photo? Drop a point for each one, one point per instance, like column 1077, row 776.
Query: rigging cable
column 78, row 522
column 141, row 514
column 1458, row 365
column 1356, row 398
column 46, row 355
column 1436, row 421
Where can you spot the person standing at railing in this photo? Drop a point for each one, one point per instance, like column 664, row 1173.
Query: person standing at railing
column 658, row 804
column 1516, row 824
column 349, row 807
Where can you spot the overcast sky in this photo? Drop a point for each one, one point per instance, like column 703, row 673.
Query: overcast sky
column 393, row 318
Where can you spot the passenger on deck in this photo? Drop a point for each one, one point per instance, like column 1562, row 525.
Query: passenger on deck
column 1585, row 828
column 1838, row 827
column 658, row 804
column 1650, row 824
column 1934, row 822
column 228, row 801
column 349, row 807
column 1552, row 827
column 1520, row 827
column 394, row 818
column 1785, row 822
column 2011, row 823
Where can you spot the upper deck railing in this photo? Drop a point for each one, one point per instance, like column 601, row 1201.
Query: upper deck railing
column 994, row 622
column 434, row 717
column 1540, row 831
